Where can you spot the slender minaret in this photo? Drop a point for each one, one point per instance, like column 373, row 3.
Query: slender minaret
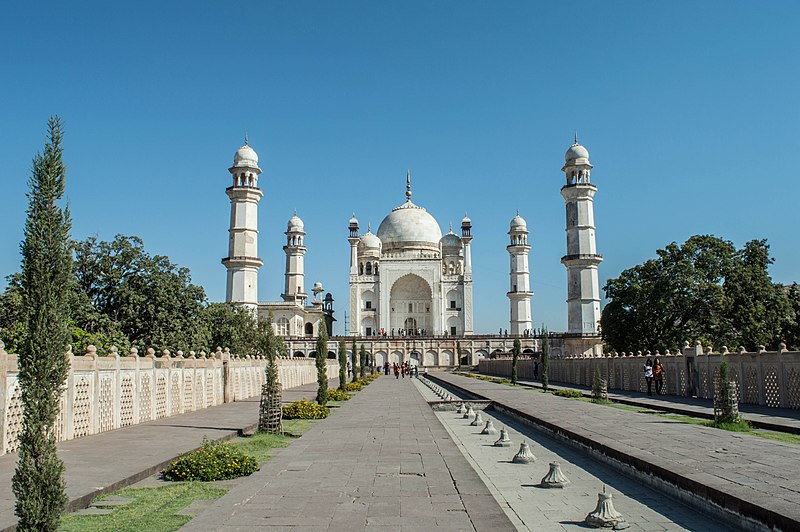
column 581, row 260
column 466, row 241
column 520, row 293
column 353, row 239
column 242, row 261
column 295, row 250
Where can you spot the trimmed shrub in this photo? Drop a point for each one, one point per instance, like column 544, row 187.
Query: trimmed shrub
column 337, row 395
column 353, row 387
column 304, row 410
column 213, row 461
column 573, row 394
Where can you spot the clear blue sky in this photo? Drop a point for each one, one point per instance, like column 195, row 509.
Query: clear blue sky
column 689, row 110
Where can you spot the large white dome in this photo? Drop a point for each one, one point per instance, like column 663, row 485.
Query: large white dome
column 409, row 227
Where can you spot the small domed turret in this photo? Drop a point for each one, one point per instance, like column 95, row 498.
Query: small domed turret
column 451, row 244
column 518, row 223
column 369, row 242
column 576, row 152
column 295, row 223
column 245, row 157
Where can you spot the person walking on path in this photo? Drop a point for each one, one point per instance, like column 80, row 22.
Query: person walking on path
column 349, row 370
column 648, row 375
column 386, row 368
column 658, row 375
column 396, row 371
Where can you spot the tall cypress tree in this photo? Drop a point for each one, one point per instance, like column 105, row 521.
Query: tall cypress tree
column 38, row 481
column 355, row 360
column 270, row 410
column 362, row 361
column 545, row 358
column 322, row 367
column 342, row 363
column 515, row 359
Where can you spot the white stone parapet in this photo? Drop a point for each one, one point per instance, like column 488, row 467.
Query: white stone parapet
column 104, row 393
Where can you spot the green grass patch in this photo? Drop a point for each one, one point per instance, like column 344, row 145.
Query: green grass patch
column 151, row 509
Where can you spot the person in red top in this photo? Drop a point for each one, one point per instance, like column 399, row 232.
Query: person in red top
column 658, row 376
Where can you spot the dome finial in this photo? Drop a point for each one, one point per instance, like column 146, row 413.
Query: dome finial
column 246, row 139
column 451, row 226
column 408, row 185
column 369, row 227
column 576, row 136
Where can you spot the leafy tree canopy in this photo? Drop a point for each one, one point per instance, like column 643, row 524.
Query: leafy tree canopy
column 704, row 289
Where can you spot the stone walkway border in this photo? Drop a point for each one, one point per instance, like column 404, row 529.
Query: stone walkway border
column 743, row 479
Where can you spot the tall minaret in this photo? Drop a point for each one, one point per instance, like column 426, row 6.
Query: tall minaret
column 581, row 260
column 520, row 290
column 466, row 241
column 353, row 239
column 242, row 261
column 295, row 250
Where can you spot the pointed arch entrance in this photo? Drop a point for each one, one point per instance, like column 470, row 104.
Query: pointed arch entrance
column 410, row 304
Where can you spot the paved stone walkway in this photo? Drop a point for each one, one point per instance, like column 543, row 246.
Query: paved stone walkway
column 778, row 419
column 743, row 473
column 380, row 462
column 112, row 460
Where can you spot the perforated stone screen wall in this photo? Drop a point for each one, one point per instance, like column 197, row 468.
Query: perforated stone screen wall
column 767, row 378
column 106, row 393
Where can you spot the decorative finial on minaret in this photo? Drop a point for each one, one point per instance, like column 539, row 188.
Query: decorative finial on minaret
column 295, row 212
column 517, row 212
column 408, row 185
column 369, row 227
column 246, row 139
column 576, row 136
column 451, row 226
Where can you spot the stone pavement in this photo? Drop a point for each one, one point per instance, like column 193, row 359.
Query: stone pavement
column 532, row 508
column 778, row 419
column 381, row 461
column 111, row 460
column 741, row 473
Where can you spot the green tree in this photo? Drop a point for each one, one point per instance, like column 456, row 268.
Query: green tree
column 235, row 327
column 322, row 367
column 515, row 352
column 791, row 331
column 342, row 363
column 758, row 310
column 152, row 300
column 362, row 362
column 355, row 360
column 458, row 354
column 12, row 317
column 38, row 481
column 545, row 358
column 703, row 290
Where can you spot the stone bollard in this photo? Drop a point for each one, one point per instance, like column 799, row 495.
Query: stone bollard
column 504, row 440
column 554, row 478
column 461, row 409
column 604, row 515
column 524, row 455
column 489, row 428
column 469, row 413
column 478, row 420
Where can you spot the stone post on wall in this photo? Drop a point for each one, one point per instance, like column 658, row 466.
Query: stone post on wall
column 227, row 374
column 692, row 374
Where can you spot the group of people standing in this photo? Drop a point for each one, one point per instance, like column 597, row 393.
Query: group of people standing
column 654, row 372
column 412, row 370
